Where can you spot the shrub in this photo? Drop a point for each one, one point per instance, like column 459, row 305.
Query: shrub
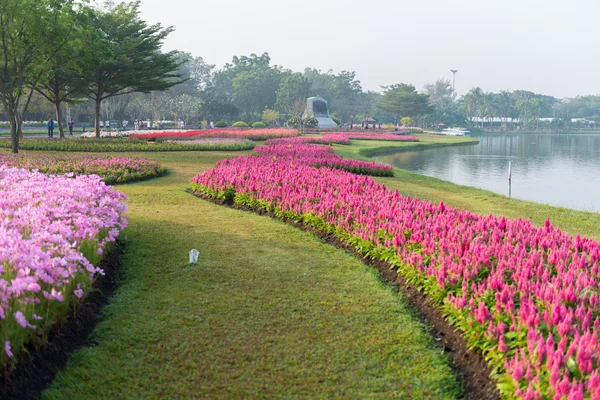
column 311, row 122
column 389, row 126
column 240, row 124
column 259, row 125
column 270, row 116
column 221, row 124
column 336, row 120
column 293, row 122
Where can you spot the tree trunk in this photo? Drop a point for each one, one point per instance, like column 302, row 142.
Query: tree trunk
column 14, row 135
column 59, row 120
column 19, row 122
column 97, row 118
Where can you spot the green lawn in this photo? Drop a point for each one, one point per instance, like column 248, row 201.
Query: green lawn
column 270, row 311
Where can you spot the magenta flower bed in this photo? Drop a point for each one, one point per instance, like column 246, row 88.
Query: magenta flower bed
column 114, row 170
column 53, row 230
column 252, row 134
column 321, row 156
column 343, row 138
column 527, row 297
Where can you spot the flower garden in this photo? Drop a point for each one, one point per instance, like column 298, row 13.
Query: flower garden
column 250, row 134
column 114, row 170
column 527, row 297
column 50, row 244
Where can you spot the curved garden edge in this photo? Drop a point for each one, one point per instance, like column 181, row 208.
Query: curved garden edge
column 33, row 374
column 383, row 150
column 470, row 366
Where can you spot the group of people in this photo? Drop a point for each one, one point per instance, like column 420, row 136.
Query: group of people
column 141, row 124
column 51, row 126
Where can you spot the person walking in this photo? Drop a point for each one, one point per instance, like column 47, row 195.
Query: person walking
column 212, row 125
column 50, row 125
column 71, row 125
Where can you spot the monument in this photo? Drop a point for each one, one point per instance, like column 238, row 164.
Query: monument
column 317, row 107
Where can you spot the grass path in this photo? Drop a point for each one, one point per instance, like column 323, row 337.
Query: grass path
column 268, row 312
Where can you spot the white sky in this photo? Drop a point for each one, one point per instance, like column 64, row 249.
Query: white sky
column 550, row 47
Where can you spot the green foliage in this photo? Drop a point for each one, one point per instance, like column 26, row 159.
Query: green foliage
column 292, row 89
column 136, row 63
column 240, row 124
column 294, row 122
column 31, row 32
column 122, row 145
column 406, row 121
column 311, row 122
column 336, row 120
column 404, row 100
column 269, row 116
column 259, row 125
column 221, row 124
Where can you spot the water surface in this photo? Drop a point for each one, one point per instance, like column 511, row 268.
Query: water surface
column 560, row 170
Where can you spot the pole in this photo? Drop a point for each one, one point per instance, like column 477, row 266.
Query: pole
column 454, row 71
column 509, row 170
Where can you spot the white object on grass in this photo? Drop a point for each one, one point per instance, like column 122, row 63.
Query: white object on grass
column 194, row 256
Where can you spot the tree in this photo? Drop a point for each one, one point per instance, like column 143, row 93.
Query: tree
column 443, row 98
column 293, row 87
column 404, row 100
column 135, row 63
column 31, row 33
column 269, row 116
column 255, row 90
column 406, row 121
column 81, row 50
column 473, row 101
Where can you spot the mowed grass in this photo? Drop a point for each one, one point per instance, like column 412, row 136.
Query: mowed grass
column 269, row 311
column 479, row 201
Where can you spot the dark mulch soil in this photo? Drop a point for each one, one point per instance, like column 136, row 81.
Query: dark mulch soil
column 470, row 366
column 38, row 367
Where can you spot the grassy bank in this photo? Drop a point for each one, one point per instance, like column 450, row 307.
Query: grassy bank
column 269, row 311
column 477, row 200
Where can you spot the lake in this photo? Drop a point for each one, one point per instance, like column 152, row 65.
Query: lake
column 560, row 170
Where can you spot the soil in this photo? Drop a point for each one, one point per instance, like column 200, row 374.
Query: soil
column 470, row 366
column 37, row 369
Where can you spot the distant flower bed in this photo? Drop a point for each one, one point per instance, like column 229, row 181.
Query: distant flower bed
column 104, row 145
column 251, row 134
column 53, row 231
column 343, row 138
column 378, row 136
column 321, row 156
column 114, row 170
column 334, row 138
column 216, row 143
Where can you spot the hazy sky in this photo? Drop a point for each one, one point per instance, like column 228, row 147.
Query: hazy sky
column 550, row 47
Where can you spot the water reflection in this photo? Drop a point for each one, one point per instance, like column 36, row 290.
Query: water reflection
column 561, row 170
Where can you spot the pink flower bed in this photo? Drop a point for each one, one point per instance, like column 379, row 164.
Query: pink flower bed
column 343, row 138
column 53, row 230
column 378, row 136
column 114, row 170
column 252, row 134
column 321, row 156
column 527, row 297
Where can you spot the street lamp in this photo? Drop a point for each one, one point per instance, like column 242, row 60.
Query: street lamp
column 454, row 71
